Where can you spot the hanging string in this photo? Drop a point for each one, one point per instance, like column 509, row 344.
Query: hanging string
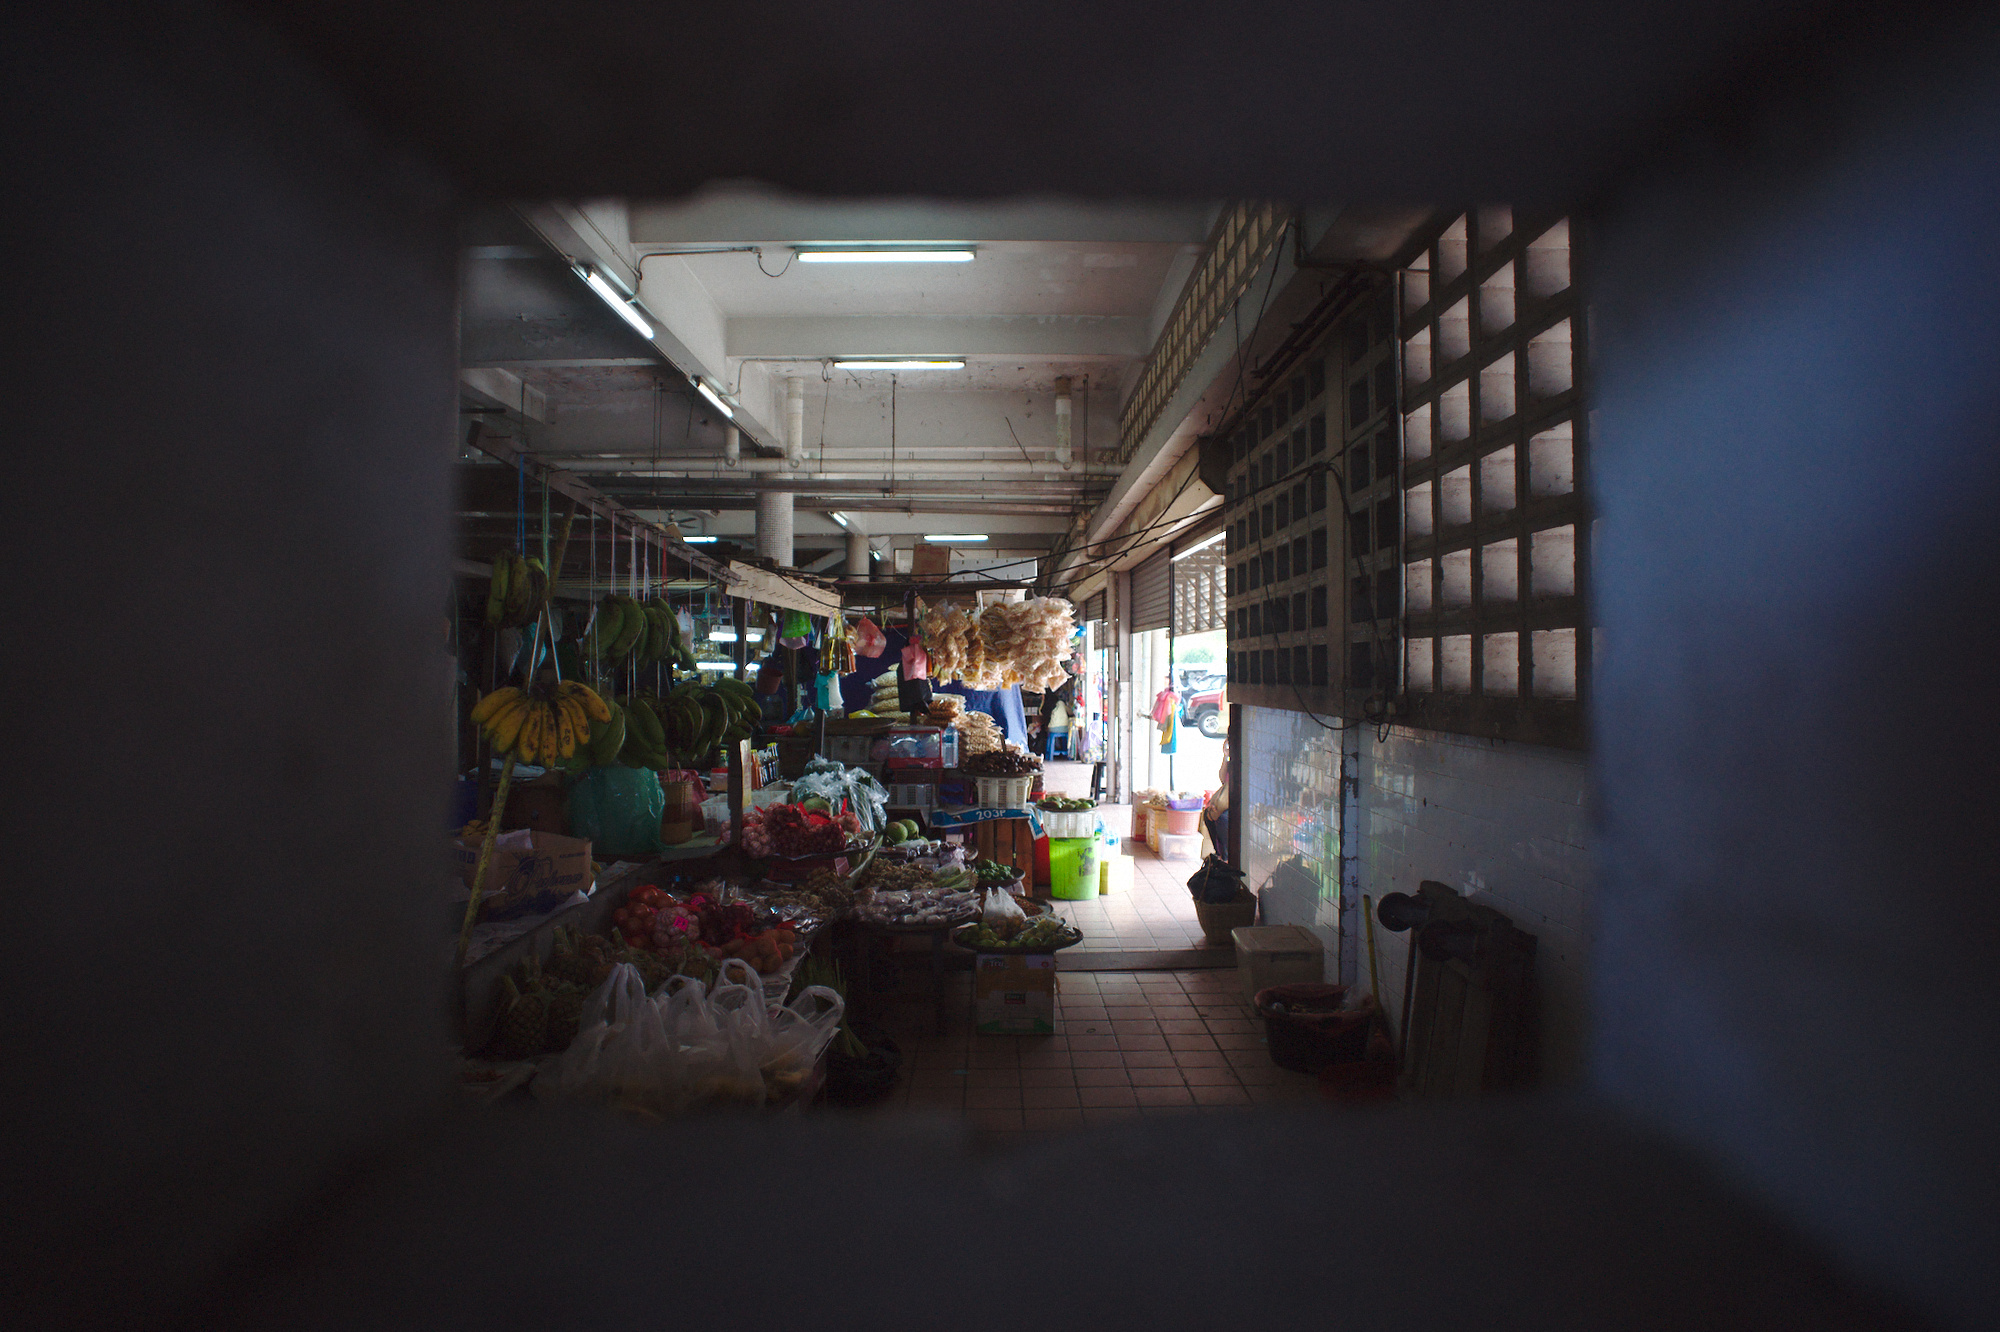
column 521, row 501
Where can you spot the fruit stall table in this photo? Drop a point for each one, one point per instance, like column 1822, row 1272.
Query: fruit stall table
column 1008, row 836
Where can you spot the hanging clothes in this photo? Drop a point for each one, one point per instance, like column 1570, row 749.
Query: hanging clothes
column 1170, row 732
column 1166, row 705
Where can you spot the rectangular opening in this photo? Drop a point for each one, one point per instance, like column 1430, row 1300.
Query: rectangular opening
column 1455, row 587
column 1284, row 563
column 1277, row 616
column 1417, row 587
column 1359, row 473
column 1281, row 458
column 1298, row 617
column 1385, row 452
column 1319, row 607
column 1417, row 518
column 1315, row 378
column 1357, row 402
column 1298, row 554
column 1318, row 491
column 1496, row 302
column 1360, row 600
column 1546, row 264
column 1385, row 384
column 1552, row 555
column 1455, row 664
column 1417, row 434
column 1319, row 548
column 1500, row 573
column 1417, row 356
column 1551, row 369
column 1451, row 256
column 1551, row 462
column 1299, row 667
column 1360, row 665
column 1388, row 604
column 1358, row 543
column 1299, row 447
column 1455, row 414
column 1319, row 664
column 1253, row 574
column 1385, row 523
column 1500, row 665
column 1284, row 511
column 1295, row 394
column 1268, row 526
column 1455, row 497
column 1496, row 223
column 1496, row 481
column 1256, row 676
column 1454, row 334
column 1554, row 653
column 1416, row 290
column 1298, row 502
column 1496, row 389
column 1316, row 433
column 1419, row 666
column 1270, row 566
column 1256, row 630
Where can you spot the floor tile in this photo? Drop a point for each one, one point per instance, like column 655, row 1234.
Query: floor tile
column 1147, row 1096
column 982, row 1098
column 1280, row 1094
column 1209, row 1077
column 1235, row 1026
column 1149, row 1059
column 1182, row 1027
column 1202, row 1042
column 1048, row 1077
column 1239, row 1041
column 1096, row 1097
column 1155, row 1077
column 1144, row 1041
column 1259, row 1075
column 1132, row 1027
column 1220, row 1095
column 993, row 1077
column 1200, row 1059
column 992, row 1059
column 1047, row 1098
column 1093, row 1115
column 1082, row 1059
column 1100, row 1077
column 1103, row 1042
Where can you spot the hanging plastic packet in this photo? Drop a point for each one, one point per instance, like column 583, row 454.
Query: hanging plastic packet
column 869, row 640
column 828, row 691
column 795, row 630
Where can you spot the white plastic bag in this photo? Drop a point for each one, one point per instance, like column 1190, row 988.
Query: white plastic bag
column 1002, row 914
column 622, row 1052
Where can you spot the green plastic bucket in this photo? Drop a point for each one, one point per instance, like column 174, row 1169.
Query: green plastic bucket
column 1068, row 858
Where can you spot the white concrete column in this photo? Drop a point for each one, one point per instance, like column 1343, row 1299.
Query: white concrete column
column 857, row 555
column 774, row 525
column 795, row 421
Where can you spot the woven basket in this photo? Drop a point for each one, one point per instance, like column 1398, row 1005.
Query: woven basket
column 1219, row 918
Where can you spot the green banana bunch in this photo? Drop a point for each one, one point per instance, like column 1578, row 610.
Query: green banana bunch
column 496, row 596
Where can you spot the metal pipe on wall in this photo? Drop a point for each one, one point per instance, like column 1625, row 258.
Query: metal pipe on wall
column 795, row 421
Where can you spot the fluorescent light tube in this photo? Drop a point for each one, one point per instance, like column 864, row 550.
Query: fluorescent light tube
column 1183, row 554
column 955, row 536
column 932, row 256
column 716, row 398
column 899, row 365
column 754, row 636
column 716, row 665
column 616, row 299
column 840, row 518
column 700, row 541
column 722, row 635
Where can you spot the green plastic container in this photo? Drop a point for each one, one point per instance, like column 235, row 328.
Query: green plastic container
column 1070, row 860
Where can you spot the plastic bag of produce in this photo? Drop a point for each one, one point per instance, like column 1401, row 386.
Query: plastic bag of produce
column 797, row 1034
column 618, row 810
column 1002, row 914
column 622, row 1052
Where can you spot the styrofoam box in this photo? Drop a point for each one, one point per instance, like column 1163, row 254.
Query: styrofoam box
column 1268, row 955
column 1180, row 846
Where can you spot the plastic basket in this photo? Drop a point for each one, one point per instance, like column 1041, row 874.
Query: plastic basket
column 1219, row 918
column 1069, row 823
column 912, row 795
column 1309, row 1030
column 1004, row 792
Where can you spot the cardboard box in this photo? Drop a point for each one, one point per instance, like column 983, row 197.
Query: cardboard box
column 527, row 880
column 930, row 561
column 1014, row 994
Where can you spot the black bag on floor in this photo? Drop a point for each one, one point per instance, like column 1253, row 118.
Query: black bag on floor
column 1216, row 881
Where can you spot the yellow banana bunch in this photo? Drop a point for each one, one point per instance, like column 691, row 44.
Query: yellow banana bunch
column 540, row 725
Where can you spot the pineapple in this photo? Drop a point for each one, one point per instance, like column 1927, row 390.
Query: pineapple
column 565, row 1015
column 524, row 1022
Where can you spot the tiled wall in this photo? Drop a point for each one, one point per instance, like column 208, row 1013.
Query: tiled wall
column 1503, row 823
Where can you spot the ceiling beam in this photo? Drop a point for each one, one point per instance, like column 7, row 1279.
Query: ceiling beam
column 739, row 215
column 814, row 337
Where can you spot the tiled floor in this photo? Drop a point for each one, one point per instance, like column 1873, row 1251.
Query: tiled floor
column 1129, row 1044
column 1157, row 915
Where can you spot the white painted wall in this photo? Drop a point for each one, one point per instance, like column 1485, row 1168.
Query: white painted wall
column 1506, row 824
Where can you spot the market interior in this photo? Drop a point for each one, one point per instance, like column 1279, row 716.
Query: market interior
column 1251, row 665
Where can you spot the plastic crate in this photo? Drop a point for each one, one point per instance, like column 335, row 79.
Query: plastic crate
column 1069, row 823
column 912, row 795
column 1004, row 792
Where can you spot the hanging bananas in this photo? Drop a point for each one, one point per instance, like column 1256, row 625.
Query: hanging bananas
column 518, row 592
column 546, row 724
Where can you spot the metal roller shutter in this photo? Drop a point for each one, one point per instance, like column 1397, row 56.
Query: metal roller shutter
column 1152, row 593
column 1093, row 606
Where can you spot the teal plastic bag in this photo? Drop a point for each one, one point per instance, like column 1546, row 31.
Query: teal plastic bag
column 619, row 810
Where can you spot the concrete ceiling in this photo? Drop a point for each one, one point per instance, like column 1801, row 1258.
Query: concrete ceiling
column 1057, row 290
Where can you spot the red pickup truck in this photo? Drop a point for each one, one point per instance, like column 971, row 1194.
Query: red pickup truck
column 1204, row 711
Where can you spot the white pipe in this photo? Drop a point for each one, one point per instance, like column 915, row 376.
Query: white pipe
column 795, row 421
column 1062, row 421
column 732, row 446
column 774, row 526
